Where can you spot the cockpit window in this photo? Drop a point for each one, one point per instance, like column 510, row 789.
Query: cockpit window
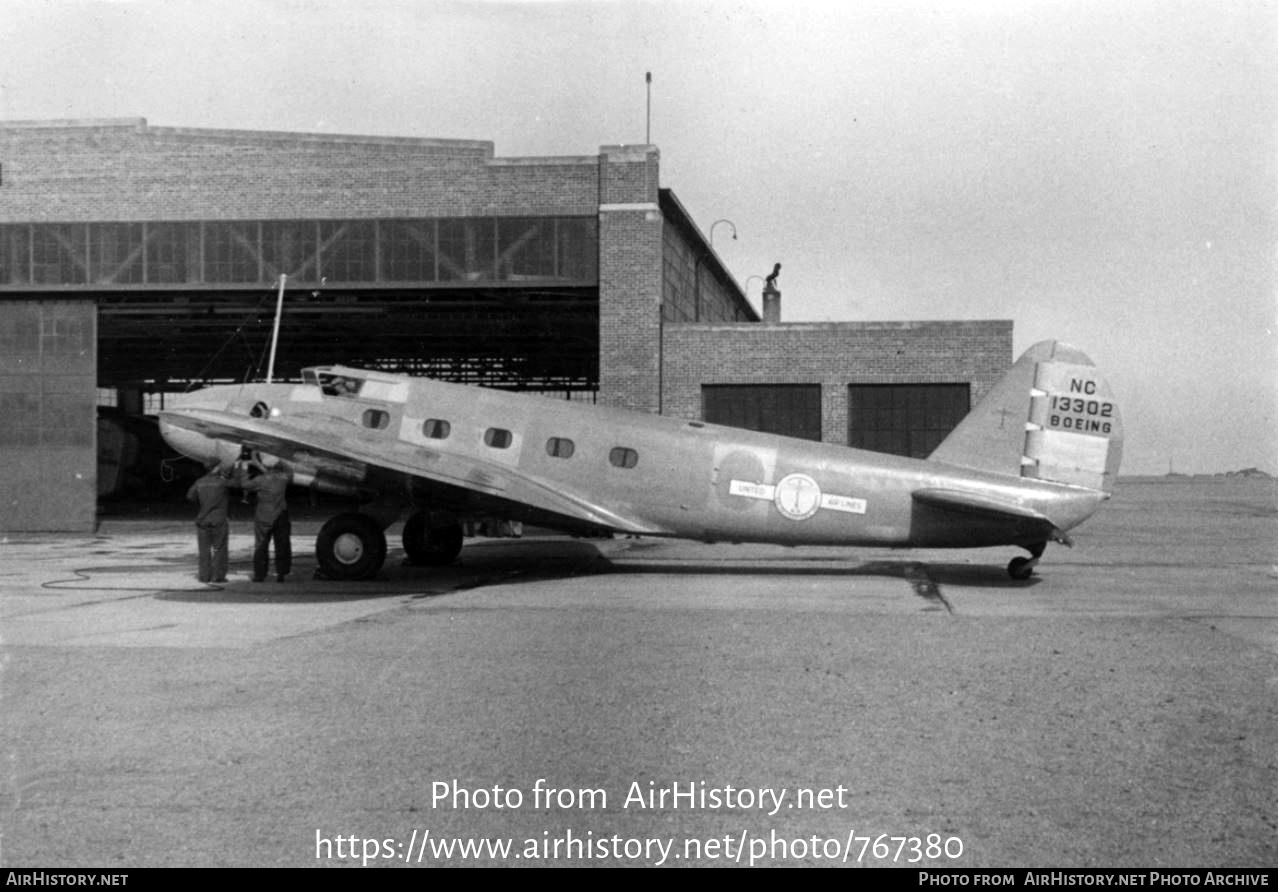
column 340, row 385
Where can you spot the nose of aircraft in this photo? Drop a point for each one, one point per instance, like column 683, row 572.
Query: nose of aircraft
column 197, row 446
column 188, row 441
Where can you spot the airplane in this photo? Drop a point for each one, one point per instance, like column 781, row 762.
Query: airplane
column 1036, row 457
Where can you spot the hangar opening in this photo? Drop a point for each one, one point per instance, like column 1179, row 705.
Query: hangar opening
column 501, row 301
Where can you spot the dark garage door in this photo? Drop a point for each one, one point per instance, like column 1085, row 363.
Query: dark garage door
column 793, row 410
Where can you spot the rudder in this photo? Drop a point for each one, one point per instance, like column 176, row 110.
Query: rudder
column 1051, row 417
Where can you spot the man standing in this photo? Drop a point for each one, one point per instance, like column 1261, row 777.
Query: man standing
column 270, row 520
column 211, row 527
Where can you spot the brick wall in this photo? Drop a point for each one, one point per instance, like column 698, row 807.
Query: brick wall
column 833, row 355
column 630, row 245
column 128, row 171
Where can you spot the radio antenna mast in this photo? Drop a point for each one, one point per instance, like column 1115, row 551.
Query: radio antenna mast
column 275, row 335
column 647, row 136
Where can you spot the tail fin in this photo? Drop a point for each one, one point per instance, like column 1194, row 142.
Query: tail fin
column 1051, row 417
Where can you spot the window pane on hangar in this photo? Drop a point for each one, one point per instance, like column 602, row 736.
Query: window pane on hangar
column 231, row 252
column 58, row 254
column 172, row 252
column 467, row 248
column 116, row 253
column 408, row 250
column 290, row 248
column 348, row 251
column 577, row 248
column 15, row 254
column 792, row 410
column 904, row 419
column 526, row 247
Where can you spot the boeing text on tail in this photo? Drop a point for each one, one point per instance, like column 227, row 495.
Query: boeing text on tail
column 1035, row 458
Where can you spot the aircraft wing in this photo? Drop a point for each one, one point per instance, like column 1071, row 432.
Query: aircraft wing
column 992, row 508
column 354, row 454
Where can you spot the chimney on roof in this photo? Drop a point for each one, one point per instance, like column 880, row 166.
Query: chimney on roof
column 771, row 296
column 771, row 304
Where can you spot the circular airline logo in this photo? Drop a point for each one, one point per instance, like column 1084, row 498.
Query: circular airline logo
column 797, row 497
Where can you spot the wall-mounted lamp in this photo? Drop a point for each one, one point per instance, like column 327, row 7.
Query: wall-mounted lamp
column 731, row 225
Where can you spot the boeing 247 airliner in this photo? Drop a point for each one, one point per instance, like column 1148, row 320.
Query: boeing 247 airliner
column 1035, row 458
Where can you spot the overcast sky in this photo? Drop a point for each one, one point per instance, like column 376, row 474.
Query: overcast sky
column 1098, row 172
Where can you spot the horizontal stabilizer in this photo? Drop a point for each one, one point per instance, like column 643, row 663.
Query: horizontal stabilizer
column 992, row 508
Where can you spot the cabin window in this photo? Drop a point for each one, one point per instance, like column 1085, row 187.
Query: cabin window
column 436, row 429
column 621, row 457
column 376, row 419
column 498, row 438
column 260, row 410
column 560, row 447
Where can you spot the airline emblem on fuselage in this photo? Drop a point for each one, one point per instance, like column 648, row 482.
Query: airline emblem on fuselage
column 797, row 497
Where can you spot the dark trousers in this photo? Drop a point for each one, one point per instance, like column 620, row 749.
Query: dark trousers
column 211, row 542
column 264, row 533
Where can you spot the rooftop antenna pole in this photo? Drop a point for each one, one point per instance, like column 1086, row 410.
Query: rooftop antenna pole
column 275, row 335
column 647, row 136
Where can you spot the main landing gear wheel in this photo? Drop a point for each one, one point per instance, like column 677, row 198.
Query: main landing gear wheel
column 1022, row 568
column 350, row 546
column 431, row 546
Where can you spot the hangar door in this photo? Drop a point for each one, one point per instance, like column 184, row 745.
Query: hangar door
column 48, row 364
column 904, row 419
column 793, row 410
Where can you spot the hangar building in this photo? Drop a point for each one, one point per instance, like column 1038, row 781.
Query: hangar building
column 137, row 261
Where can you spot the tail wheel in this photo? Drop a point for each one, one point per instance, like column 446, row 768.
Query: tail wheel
column 431, row 546
column 1021, row 568
column 350, row 546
